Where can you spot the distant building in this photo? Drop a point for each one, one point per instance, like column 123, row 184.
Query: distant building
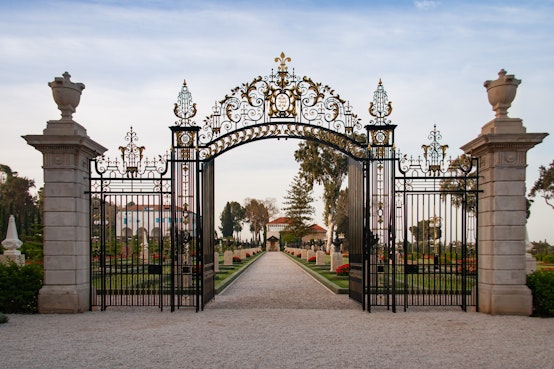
column 275, row 227
column 150, row 220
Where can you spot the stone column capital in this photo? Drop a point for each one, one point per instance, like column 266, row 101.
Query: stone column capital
column 494, row 142
column 65, row 144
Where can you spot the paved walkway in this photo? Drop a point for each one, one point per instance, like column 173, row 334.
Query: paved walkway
column 275, row 282
column 276, row 316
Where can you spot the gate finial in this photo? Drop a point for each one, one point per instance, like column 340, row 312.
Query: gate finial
column 184, row 108
column 131, row 155
column 283, row 68
column 380, row 107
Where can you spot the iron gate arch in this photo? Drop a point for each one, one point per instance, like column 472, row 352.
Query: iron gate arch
column 152, row 221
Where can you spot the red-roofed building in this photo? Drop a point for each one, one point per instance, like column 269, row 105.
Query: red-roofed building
column 275, row 227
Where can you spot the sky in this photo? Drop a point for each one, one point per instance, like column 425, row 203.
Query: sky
column 132, row 56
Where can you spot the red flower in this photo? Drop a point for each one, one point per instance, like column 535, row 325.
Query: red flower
column 343, row 269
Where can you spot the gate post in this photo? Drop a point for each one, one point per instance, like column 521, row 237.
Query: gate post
column 502, row 149
column 66, row 150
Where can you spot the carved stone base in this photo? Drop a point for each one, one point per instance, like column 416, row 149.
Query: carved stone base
column 18, row 259
column 63, row 299
column 505, row 300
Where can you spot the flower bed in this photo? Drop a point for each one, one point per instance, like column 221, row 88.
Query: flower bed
column 343, row 269
column 312, row 259
column 236, row 259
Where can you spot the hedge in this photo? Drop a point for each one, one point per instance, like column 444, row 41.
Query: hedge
column 19, row 288
column 541, row 284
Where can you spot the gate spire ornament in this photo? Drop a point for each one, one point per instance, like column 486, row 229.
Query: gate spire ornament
column 435, row 153
column 380, row 131
column 185, row 108
column 380, row 107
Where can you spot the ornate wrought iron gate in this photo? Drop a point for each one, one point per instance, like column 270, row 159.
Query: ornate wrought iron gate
column 412, row 229
column 421, row 241
column 144, row 238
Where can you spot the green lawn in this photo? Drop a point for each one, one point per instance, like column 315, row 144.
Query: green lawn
column 338, row 284
column 227, row 273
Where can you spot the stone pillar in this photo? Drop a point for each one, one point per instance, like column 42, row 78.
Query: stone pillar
column 502, row 149
column 66, row 150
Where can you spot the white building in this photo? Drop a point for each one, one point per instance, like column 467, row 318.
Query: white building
column 275, row 227
column 151, row 220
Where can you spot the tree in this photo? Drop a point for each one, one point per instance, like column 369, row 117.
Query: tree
column 544, row 186
column 238, row 213
column 298, row 206
column 16, row 200
column 342, row 218
column 258, row 213
column 226, row 219
column 231, row 218
column 327, row 167
column 426, row 232
column 460, row 181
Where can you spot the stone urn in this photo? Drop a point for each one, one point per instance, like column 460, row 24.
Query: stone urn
column 66, row 94
column 501, row 92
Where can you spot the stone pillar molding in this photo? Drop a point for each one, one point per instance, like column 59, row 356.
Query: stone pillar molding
column 502, row 149
column 66, row 150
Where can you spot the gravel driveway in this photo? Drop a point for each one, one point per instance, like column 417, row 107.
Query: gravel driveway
column 276, row 316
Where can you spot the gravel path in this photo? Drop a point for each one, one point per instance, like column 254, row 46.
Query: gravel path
column 276, row 316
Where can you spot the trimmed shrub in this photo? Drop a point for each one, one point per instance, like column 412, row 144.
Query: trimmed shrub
column 548, row 258
column 3, row 318
column 541, row 284
column 19, row 288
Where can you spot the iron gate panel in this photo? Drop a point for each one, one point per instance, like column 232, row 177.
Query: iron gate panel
column 356, row 231
column 208, row 230
column 424, row 223
column 140, row 234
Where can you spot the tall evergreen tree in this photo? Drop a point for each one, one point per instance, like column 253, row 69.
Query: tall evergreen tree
column 226, row 219
column 298, row 206
column 238, row 213
column 231, row 218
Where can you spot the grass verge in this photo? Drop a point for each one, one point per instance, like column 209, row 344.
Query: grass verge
column 228, row 273
column 337, row 284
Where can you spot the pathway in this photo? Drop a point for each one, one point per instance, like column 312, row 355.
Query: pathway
column 276, row 282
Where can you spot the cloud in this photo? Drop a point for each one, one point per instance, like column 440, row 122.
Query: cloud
column 133, row 59
column 426, row 4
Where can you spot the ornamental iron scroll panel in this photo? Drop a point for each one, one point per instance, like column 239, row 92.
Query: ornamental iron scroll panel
column 281, row 105
column 424, row 246
column 135, row 227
